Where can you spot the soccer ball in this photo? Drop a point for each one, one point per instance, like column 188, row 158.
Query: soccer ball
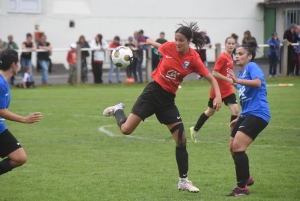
column 121, row 56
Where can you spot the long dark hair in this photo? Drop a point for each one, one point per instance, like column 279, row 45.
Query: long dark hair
column 99, row 36
column 251, row 48
column 191, row 31
column 8, row 57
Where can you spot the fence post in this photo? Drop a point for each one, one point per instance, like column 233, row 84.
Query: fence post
column 78, row 65
column 217, row 50
column 149, row 64
column 284, row 59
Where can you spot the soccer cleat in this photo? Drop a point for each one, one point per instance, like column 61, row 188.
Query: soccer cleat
column 250, row 181
column 237, row 191
column 186, row 185
column 110, row 111
column 193, row 134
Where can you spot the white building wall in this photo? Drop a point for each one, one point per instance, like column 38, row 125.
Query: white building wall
column 116, row 17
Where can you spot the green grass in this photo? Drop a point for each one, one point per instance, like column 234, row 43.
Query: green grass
column 70, row 159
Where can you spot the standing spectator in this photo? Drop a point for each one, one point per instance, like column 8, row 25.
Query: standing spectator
column 10, row 45
column 84, row 54
column 237, row 44
column 273, row 53
column 248, row 37
column 202, row 51
column 72, row 60
column 129, row 69
column 26, row 56
column 1, row 46
column 115, row 43
column 98, row 54
column 156, row 57
column 298, row 48
column 141, row 45
column 43, row 58
column 291, row 36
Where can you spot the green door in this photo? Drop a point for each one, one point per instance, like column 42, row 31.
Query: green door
column 270, row 25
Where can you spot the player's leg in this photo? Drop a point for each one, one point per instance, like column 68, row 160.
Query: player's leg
column 202, row 119
column 10, row 148
column 231, row 102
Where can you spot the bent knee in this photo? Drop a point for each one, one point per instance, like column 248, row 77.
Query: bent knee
column 126, row 130
column 20, row 160
column 238, row 148
column 209, row 112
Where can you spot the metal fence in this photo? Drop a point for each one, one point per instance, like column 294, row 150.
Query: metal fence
column 148, row 60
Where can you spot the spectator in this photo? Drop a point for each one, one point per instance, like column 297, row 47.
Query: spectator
column 298, row 47
column 131, row 69
column 26, row 56
column 84, row 54
column 273, row 53
column 291, row 36
column 141, row 45
column 207, row 45
column 156, row 56
column 115, row 43
column 10, row 45
column 237, row 44
column 248, row 37
column 99, row 45
column 43, row 58
column 26, row 81
column 72, row 60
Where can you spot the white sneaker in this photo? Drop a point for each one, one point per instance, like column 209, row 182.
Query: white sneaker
column 110, row 111
column 186, row 185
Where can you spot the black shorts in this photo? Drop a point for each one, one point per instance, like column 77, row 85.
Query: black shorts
column 156, row 100
column 8, row 143
column 231, row 99
column 251, row 126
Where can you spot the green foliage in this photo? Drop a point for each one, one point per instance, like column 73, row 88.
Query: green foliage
column 70, row 159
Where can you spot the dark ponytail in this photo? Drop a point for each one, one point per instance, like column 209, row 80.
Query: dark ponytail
column 191, row 31
column 8, row 57
column 251, row 48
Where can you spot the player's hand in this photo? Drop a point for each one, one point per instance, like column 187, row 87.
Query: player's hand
column 232, row 75
column 217, row 103
column 232, row 124
column 34, row 117
column 149, row 41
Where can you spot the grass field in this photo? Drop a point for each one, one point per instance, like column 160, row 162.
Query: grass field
column 76, row 154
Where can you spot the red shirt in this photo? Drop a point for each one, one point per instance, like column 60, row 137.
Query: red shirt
column 223, row 63
column 72, row 57
column 174, row 66
column 113, row 45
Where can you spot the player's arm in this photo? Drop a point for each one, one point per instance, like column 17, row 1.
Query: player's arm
column 255, row 83
column 213, row 82
column 150, row 41
column 34, row 117
column 218, row 75
column 232, row 124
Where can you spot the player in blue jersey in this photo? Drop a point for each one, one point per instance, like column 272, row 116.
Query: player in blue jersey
column 254, row 117
column 10, row 149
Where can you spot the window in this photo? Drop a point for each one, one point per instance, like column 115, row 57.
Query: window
column 24, row 6
column 292, row 16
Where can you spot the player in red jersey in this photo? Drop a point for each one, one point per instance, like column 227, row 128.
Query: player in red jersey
column 223, row 63
column 178, row 60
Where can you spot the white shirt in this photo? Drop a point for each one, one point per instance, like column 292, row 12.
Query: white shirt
column 26, row 77
column 99, row 54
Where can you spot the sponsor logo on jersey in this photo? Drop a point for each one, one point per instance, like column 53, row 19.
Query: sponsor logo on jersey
column 172, row 74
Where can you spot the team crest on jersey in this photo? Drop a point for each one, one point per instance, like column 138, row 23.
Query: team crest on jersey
column 186, row 65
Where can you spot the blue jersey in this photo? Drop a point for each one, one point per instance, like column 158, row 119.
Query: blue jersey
column 253, row 100
column 4, row 100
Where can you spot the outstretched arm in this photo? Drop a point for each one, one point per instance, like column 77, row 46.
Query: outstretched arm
column 32, row 118
column 150, row 41
column 218, row 75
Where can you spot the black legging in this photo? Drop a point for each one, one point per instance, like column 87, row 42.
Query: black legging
column 97, row 72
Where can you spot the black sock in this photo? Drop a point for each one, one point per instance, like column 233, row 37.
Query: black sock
column 241, row 168
column 202, row 119
column 233, row 117
column 5, row 166
column 182, row 161
column 120, row 117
